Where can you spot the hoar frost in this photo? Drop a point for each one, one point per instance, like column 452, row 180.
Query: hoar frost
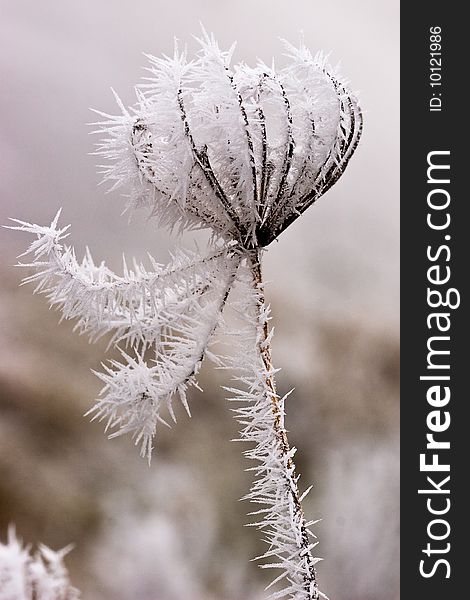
column 243, row 151
column 39, row 576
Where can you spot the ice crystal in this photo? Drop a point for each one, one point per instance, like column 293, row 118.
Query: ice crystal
column 39, row 576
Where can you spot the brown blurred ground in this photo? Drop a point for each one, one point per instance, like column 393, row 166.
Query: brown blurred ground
column 150, row 534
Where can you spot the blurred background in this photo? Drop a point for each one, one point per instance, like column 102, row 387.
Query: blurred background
column 174, row 531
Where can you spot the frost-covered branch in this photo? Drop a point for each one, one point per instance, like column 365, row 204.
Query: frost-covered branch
column 170, row 312
column 260, row 412
column 39, row 576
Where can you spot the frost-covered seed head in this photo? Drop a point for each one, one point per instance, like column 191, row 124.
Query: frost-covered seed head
column 241, row 150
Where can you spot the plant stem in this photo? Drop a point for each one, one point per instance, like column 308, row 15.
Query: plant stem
column 299, row 525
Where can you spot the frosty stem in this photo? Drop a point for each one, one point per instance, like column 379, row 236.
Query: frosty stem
column 285, row 453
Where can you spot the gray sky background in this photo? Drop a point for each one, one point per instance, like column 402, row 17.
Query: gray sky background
column 58, row 58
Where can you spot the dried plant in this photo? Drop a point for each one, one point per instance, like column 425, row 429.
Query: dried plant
column 242, row 151
column 39, row 576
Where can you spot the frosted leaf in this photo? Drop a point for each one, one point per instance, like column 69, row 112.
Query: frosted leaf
column 135, row 306
column 167, row 315
column 136, row 391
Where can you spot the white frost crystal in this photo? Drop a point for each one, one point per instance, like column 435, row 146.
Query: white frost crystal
column 41, row 576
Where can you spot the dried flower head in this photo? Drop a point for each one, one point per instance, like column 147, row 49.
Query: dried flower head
column 242, row 150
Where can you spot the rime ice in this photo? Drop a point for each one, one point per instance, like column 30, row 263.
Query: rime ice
column 42, row 576
column 242, row 151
